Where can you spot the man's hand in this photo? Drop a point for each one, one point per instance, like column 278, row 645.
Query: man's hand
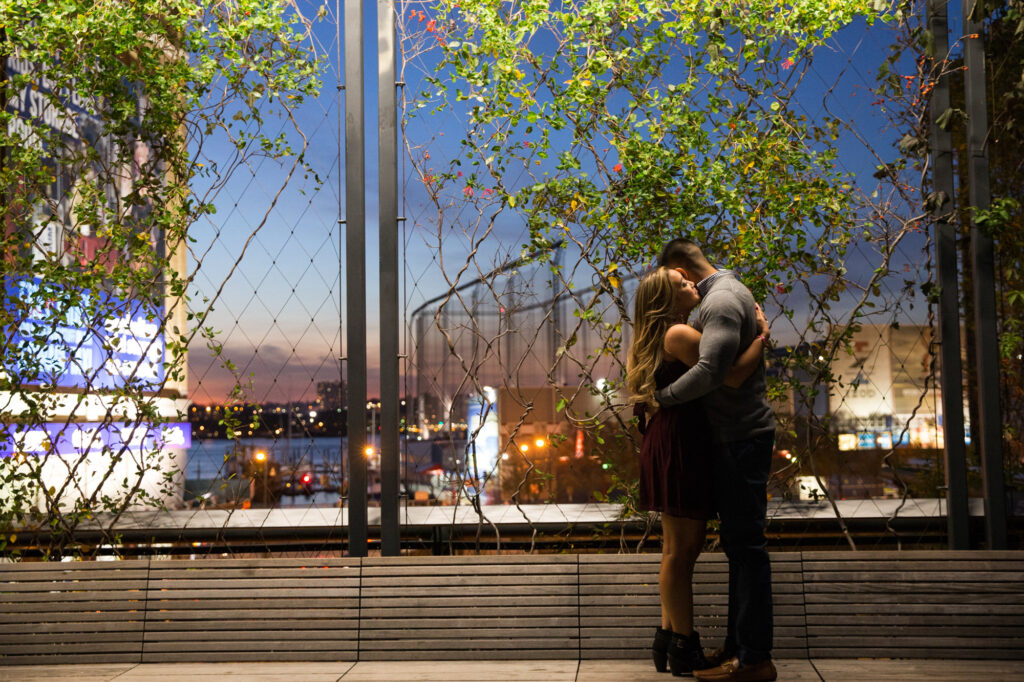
column 762, row 323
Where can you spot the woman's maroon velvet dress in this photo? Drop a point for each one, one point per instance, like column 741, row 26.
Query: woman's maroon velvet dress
column 675, row 458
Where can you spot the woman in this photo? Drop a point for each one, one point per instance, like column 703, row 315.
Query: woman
column 675, row 467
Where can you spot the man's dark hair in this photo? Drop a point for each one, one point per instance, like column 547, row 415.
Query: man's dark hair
column 681, row 253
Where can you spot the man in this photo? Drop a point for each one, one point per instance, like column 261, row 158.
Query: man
column 744, row 427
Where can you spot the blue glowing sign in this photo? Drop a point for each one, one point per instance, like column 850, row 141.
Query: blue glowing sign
column 100, row 342
column 79, row 438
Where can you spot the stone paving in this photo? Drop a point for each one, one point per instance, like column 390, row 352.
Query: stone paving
column 818, row 670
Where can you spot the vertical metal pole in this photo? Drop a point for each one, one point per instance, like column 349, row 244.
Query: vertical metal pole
column 390, row 541
column 355, row 258
column 341, row 256
column 556, row 327
column 421, row 406
column 951, row 376
column 989, row 431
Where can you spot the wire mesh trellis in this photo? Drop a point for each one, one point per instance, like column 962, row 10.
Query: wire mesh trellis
column 857, row 388
column 515, row 347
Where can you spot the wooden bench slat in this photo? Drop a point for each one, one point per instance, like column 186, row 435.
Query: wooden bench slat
column 479, row 643
column 533, row 560
column 513, row 608
column 921, row 629
column 70, row 658
column 468, row 581
column 283, row 573
column 892, row 580
column 912, row 652
column 295, row 622
column 867, row 597
column 82, row 638
column 254, row 593
column 568, row 653
column 813, row 640
column 479, row 634
column 122, row 645
column 902, row 619
column 263, row 564
column 885, row 607
column 255, row 583
column 261, row 644
column 428, row 570
column 189, row 636
column 187, row 612
column 897, row 564
column 339, row 655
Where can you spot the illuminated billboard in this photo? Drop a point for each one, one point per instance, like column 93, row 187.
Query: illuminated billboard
column 102, row 342
column 482, row 428
column 884, row 395
column 78, row 438
column 82, row 361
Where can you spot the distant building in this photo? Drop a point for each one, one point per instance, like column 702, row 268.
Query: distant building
column 882, row 396
column 329, row 395
column 89, row 444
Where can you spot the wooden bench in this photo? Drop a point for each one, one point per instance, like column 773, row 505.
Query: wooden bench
column 470, row 607
column 543, row 606
column 619, row 603
column 85, row 612
column 252, row 610
column 914, row 604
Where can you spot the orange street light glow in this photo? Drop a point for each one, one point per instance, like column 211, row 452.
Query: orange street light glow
column 539, row 442
column 260, row 456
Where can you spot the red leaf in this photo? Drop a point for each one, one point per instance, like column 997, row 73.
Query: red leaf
column 617, row 168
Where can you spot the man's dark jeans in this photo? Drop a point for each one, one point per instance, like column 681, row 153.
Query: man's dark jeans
column 741, row 480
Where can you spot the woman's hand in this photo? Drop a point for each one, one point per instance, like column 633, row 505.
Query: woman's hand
column 762, row 322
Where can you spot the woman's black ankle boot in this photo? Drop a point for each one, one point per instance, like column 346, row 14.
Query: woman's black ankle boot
column 685, row 654
column 659, row 649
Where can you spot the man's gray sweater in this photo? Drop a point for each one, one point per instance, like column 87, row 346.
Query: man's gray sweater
column 727, row 321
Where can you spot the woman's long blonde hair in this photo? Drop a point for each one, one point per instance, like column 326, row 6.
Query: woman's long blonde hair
column 654, row 312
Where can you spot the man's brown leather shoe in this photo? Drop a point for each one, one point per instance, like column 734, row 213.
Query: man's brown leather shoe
column 718, row 657
column 732, row 671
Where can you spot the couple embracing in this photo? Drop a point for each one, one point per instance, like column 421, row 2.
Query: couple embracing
column 707, row 448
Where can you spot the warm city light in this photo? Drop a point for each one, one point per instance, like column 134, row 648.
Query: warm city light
column 369, row 451
column 260, row 456
column 524, row 447
column 539, row 442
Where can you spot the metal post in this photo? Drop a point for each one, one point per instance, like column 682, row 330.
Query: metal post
column 989, row 431
column 390, row 542
column 556, row 322
column 355, row 258
column 951, row 369
column 341, row 256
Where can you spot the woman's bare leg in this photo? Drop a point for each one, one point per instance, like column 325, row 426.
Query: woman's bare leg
column 683, row 541
column 667, row 546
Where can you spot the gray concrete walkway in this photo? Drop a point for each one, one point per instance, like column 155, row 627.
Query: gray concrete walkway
column 818, row 670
